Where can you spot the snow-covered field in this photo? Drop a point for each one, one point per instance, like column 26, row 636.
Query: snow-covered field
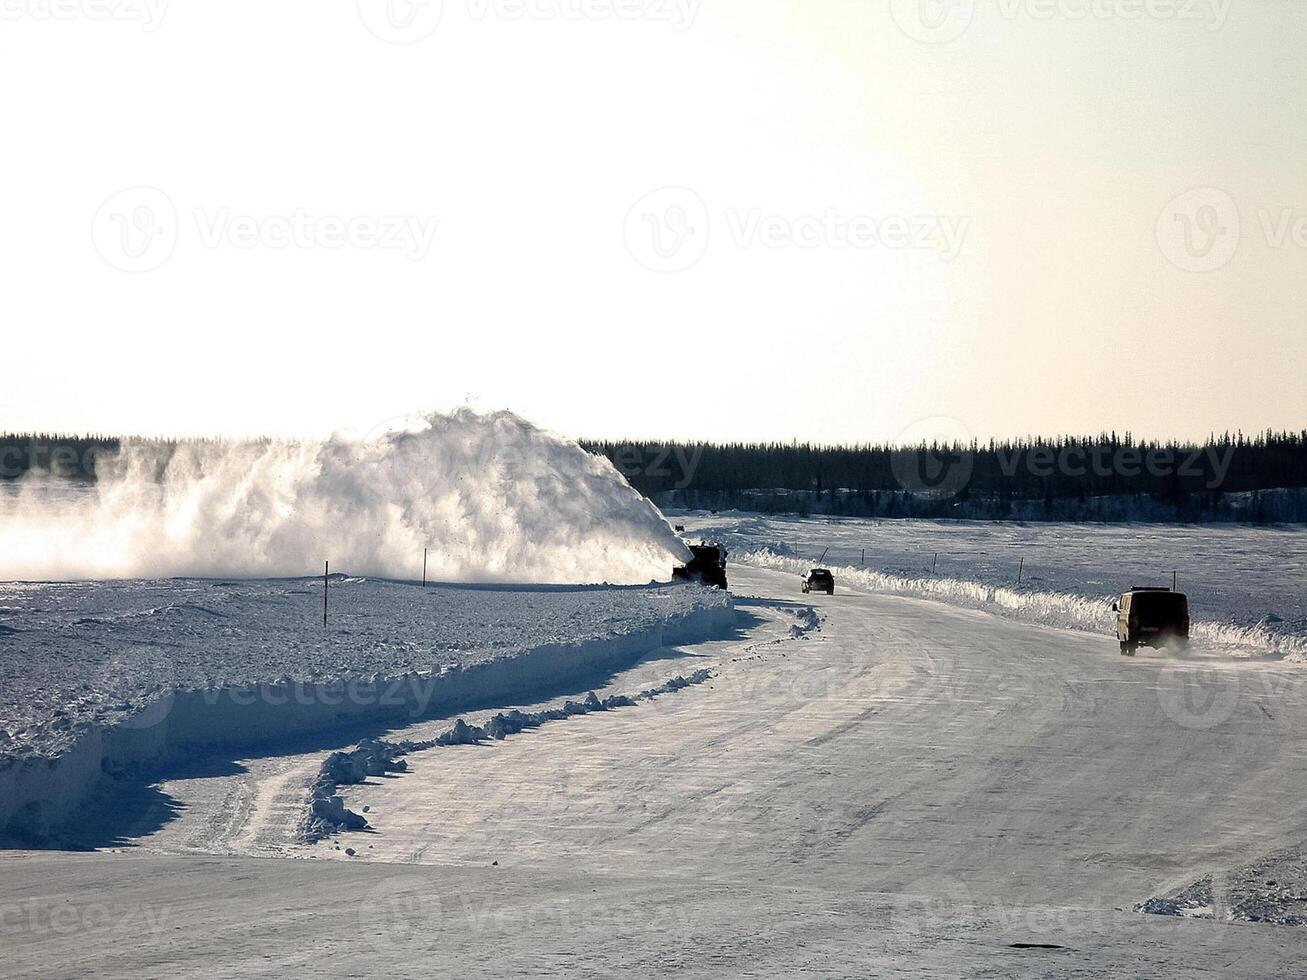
column 110, row 673
column 1247, row 586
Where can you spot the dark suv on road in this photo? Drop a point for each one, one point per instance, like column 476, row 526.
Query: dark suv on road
column 1151, row 617
column 819, row 580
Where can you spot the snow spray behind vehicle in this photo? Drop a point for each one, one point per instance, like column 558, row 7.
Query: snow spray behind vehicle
column 491, row 497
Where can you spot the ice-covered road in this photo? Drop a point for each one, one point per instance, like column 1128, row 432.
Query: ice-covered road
column 914, row 789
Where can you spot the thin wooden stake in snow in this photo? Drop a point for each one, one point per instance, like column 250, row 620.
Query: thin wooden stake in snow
column 326, row 584
column 934, row 563
column 1021, row 570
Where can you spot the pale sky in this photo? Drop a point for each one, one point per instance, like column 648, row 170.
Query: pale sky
column 727, row 219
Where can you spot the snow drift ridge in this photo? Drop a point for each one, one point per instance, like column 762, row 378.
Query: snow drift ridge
column 1059, row 609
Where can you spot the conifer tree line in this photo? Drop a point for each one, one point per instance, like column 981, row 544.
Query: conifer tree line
column 1034, row 468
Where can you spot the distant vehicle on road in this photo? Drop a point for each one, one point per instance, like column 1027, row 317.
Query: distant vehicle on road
column 1151, row 617
column 708, row 566
column 819, row 580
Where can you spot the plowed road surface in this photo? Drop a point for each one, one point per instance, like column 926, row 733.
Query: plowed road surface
column 911, row 790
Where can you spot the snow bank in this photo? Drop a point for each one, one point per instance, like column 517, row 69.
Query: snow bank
column 47, row 767
column 807, row 622
column 1243, row 583
column 326, row 813
column 1060, row 609
column 492, row 497
column 1271, row 890
column 1049, row 608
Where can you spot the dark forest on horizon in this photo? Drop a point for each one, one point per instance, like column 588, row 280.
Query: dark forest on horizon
column 1024, row 469
column 1066, row 468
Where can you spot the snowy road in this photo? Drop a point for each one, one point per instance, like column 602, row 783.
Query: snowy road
column 916, row 789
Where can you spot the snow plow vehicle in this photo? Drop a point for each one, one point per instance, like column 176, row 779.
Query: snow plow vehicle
column 707, row 566
column 1150, row 616
column 819, row 580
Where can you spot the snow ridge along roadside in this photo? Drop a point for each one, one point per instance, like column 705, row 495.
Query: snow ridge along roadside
column 40, row 793
column 1058, row 609
column 326, row 813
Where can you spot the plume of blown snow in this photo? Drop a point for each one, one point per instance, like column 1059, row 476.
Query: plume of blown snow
column 492, row 497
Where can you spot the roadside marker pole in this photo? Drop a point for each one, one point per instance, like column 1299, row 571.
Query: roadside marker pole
column 934, row 563
column 1021, row 570
column 424, row 568
column 864, row 557
column 326, row 585
column 1173, row 581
